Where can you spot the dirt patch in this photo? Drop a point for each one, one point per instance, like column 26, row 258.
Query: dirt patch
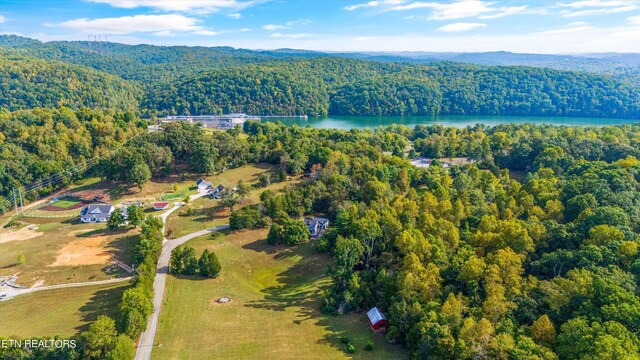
column 85, row 251
column 93, row 195
column 25, row 233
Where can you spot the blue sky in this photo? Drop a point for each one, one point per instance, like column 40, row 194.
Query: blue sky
column 539, row 26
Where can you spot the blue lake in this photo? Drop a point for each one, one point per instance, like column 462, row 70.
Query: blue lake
column 362, row 122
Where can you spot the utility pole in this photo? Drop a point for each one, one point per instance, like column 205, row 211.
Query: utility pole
column 21, row 202
column 15, row 203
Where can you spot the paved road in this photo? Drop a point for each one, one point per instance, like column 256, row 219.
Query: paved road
column 13, row 292
column 145, row 345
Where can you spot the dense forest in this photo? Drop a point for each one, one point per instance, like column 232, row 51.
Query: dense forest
column 468, row 262
column 190, row 81
column 28, row 83
column 37, row 144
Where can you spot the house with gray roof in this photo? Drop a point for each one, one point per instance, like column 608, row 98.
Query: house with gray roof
column 96, row 213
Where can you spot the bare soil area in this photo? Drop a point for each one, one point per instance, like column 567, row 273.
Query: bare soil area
column 25, row 233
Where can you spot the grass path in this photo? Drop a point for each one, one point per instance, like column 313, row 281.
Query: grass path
column 273, row 313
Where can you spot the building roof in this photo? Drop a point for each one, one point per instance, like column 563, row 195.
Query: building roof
column 375, row 315
column 96, row 210
column 203, row 182
column 161, row 204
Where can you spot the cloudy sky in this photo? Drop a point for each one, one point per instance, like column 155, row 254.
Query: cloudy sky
column 539, row 26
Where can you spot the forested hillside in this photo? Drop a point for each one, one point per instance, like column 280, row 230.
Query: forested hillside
column 199, row 80
column 28, row 83
column 352, row 87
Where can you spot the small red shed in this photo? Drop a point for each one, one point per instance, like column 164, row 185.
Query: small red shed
column 160, row 205
column 377, row 320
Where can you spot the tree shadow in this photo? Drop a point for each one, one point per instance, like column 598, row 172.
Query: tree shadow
column 278, row 251
column 103, row 302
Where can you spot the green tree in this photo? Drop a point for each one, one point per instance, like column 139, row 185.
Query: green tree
column 123, row 349
column 21, row 259
column 275, row 235
column 135, row 308
column 139, row 174
column 100, row 338
column 116, row 220
column 294, row 232
column 135, row 215
column 264, row 179
column 243, row 189
column 209, row 265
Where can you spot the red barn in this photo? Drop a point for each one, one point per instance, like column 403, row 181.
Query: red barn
column 377, row 320
column 160, row 205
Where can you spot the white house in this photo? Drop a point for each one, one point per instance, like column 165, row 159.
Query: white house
column 316, row 226
column 203, row 185
column 96, row 213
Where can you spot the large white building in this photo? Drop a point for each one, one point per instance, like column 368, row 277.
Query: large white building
column 213, row 121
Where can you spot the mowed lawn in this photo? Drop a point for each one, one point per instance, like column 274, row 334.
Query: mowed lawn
column 210, row 212
column 63, row 312
column 273, row 313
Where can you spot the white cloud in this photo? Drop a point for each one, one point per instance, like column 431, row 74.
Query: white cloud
column 372, row 4
column 574, row 27
column 601, row 11
column 291, row 36
column 235, row 16
column 458, row 9
column 460, row 27
column 159, row 24
column 634, row 20
column 287, row 25
column 597, row 3
column 273, row 27
column 506, row 11
column 245, row 29
column 196, row 6
column 2, row 19
column 206, row 32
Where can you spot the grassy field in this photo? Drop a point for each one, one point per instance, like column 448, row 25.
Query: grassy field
column 64, row 251
column 209, row 212
column 65, row 203
column 64, row 312
column 273, row 313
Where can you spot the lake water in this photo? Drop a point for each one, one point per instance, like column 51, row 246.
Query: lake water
column 362, row 122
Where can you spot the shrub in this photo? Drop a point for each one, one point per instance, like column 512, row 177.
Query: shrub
column 351, row 349
column 369, row 345
column 345, row 340
column 22, row 259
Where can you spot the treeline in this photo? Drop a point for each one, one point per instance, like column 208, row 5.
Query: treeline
column 58, row 145
column 27, row 83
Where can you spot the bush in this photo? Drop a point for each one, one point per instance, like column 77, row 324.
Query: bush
column 351, row 349
column 264, row 179
column 345, row 340
column 322, row 245
column 275, row 234
column 22, row 259
column 369, row 345
column 11, row 223
column 215, row 235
